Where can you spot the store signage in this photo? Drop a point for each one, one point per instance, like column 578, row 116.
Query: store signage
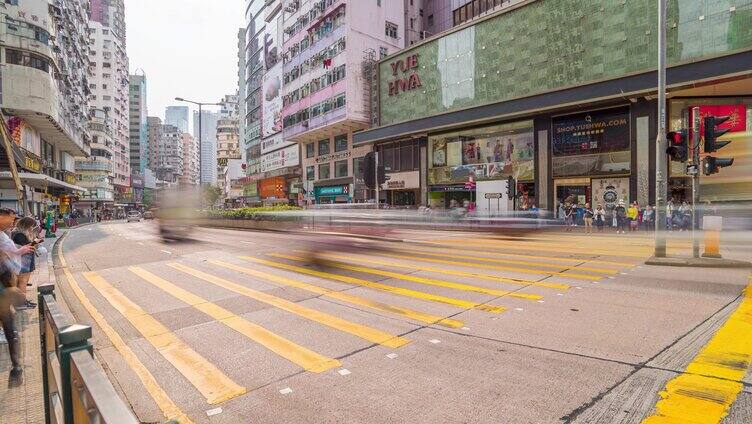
column 69, row 177
column 282, row 158
column 222, row 161
column 333, row 156
column 737, row 117
column 333, row 190
column 30, row 161
column 591, row 133
column 273, row 143
column 448, row 188
column 493, row 196
column 407, row 76
column 395, row 184
column 137, row 181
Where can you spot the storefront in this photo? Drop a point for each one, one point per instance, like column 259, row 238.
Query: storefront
column 591, row 157
column 332, row 194
column 273, row 190
column 463, row 163
column 402, row 189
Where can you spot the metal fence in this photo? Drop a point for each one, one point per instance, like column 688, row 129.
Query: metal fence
column 76, row 389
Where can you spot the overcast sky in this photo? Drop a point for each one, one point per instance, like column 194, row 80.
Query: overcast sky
column 187, row 48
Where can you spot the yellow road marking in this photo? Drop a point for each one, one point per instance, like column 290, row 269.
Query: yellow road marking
column 532, row 265
column 419, row 280
column 518, row 255
column 465, row 304
column 494, row 267
column 547, row 248
column 356, row 300
column 362, row 331
column 212, row 383
column 712, row 381
column 514, row 281
column 307, row 359
column 169, row 410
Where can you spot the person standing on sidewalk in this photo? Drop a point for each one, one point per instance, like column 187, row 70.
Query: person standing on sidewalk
column 600, row 217
column 7, row 218
column 588, row 215
column 26, row 233
column 10, row 296
column 620, row 214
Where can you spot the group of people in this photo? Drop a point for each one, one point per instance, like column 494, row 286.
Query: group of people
column 678, row 217
column 621, row 216
column 19, row 237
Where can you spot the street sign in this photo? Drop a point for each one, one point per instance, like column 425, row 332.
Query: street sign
column 493, row 195
column 692, row 169
column 387, row 177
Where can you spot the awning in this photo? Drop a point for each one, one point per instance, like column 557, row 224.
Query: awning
column 41, row 180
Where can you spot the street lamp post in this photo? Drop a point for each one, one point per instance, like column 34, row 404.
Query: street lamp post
column 200, row 144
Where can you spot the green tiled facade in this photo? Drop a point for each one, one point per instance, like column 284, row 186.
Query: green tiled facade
column 553, row 44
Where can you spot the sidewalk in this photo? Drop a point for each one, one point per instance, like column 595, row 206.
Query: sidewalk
column 23, row 400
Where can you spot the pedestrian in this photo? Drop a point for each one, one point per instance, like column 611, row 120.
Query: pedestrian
column 579, row 213
column 10, row 296
column 685, row 216
column 26, row 233
column 620, row 214
column 648, row 217
column 588, row 217
column 568, row 216
column 670, row 209
column 600, row 217
column 561, row 211
column 7, row 219
column 632, row 216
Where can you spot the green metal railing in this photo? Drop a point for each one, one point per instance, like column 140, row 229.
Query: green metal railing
column 76, row 389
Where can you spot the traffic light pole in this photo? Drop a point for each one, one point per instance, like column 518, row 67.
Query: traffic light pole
column 376, row 176
column 695, row 181
column 661, row 161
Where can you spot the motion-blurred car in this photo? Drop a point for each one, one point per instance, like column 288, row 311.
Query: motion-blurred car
column 148, row 215
column 133, row 216
column 178, row 208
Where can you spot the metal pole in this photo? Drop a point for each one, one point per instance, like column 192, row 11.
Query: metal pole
column 200, row 148
column 661, row 162
column 376, row 177
column 695, row 181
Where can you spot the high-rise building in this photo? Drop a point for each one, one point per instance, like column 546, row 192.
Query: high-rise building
column 229, row 164
column 44, row 97
column 170, row 155
column 153, row 135
column 208, row 140
column 177, row 116
column 138, row 125
column 110, row 87
column 241, row 92
column 253, row 73
column 190, row 160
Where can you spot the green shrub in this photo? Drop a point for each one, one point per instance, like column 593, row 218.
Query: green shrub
column 262, row 213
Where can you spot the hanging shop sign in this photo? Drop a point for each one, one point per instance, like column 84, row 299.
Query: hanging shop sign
column 333, row 157
column 273, row 143
column 591, row 133
column 407, row 76
column 282, row 158
column 338, row 190
column 28, row 160
column 69, row 177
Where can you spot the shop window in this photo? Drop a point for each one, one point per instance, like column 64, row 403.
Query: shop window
column 324, row 147
column 340, row 169
column 340, row 143
column 310, row 173
column 324, row 171
column 388, row 157
column 309, row 150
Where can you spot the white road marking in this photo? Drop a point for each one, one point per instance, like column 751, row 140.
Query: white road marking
column 518, row 309
column 578, row 288
column 166, row 251
column 611, row 277
column 541, row 301
column 286, row 391
column 141, row 244
column 466, row 328
column 560, row 294
column 215, row 411
column 391, row 355
column 344, row 371
column 435, row 341
column 247, row 242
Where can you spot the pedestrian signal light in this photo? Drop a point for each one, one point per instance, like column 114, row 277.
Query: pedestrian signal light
column 511, row 188
column 677, row 150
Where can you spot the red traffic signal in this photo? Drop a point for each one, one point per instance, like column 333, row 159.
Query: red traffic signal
column 678, row 149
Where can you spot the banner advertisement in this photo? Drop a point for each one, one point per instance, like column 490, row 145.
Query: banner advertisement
column 272, row 107
column 273, row 143
column 591, row 133
column 282, row 158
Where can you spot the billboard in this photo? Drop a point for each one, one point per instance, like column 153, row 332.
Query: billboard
column 273, row 143
column 272, row 104
column 289, row 156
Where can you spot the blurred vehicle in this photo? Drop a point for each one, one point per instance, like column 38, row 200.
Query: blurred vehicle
column 133, row 216
column 148, row 215
column 178, row 208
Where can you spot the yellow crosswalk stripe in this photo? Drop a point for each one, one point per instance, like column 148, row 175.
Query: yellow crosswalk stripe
column 713, row 380
column 307, row 359
column 362, row 331
column 355, row 300
column 574, row 275
column 378, row 286
column 505, row 280
column 540, row 247
column 212, row 383
column 169, row 409
column 419, row 280
column 532, row 265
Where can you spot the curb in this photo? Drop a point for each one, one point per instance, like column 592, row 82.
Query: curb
column 698, row 262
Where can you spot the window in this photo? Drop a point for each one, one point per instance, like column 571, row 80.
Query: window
column 324, row 171
column 430, row 20
column 309, row 150
column 324, row 147
column 412, row 23
column 340, row 168
column 18, row 57
column 340, row 143
column 378, row 2
column 391, row 30
column 310, row 173
column 383, row 52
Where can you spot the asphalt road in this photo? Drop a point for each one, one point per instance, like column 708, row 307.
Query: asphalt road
column 240, row 327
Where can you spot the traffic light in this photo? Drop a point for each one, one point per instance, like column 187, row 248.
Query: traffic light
column 511, row 187
column 678, row 149
column 370, row 176
column 711, row 165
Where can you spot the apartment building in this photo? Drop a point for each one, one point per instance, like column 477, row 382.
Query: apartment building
column 153, row 135
column 177, row 116
column 110, row 88
column 189, row 175
column 138, row 124
column 170, row 158
column 45, row 89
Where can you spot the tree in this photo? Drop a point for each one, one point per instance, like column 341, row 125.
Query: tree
column 211, row 195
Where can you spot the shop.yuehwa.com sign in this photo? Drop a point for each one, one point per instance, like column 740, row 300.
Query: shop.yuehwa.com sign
column 407, row 76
